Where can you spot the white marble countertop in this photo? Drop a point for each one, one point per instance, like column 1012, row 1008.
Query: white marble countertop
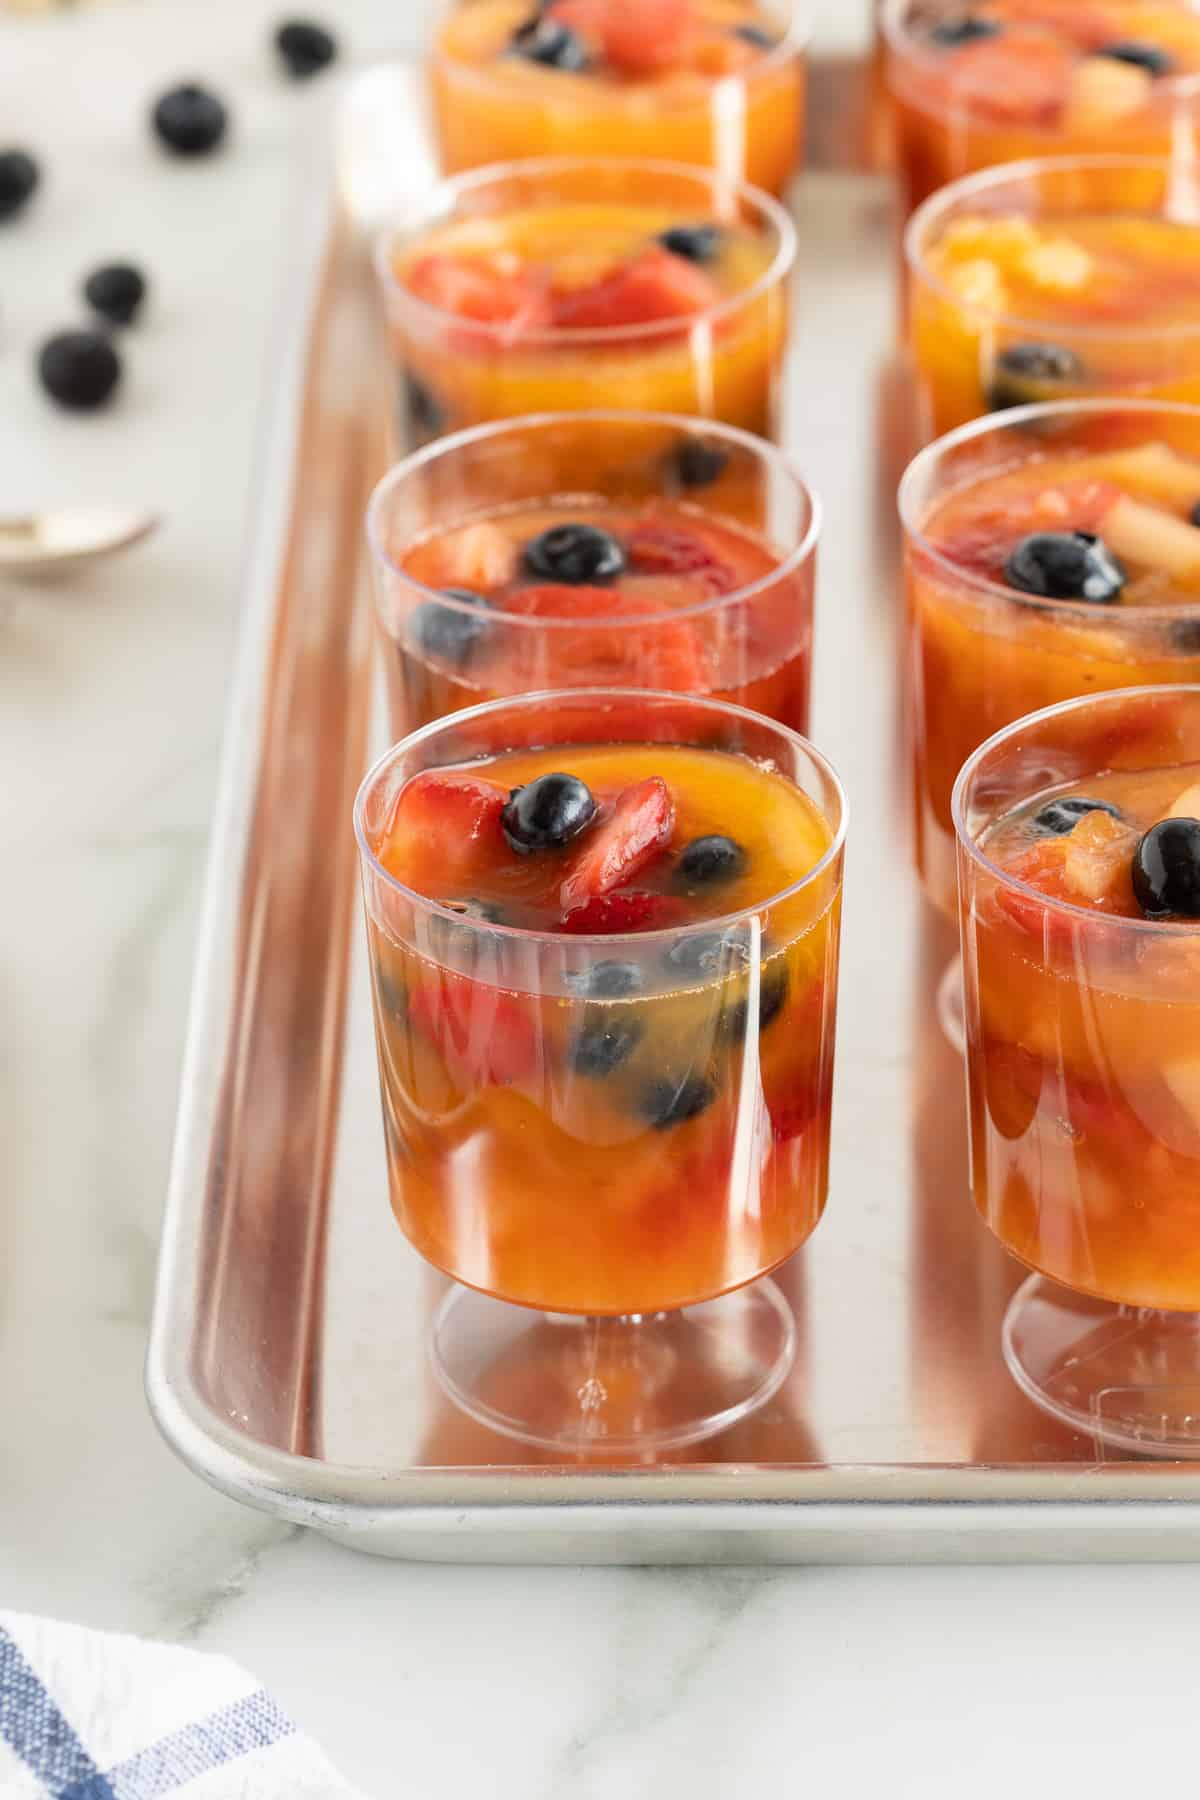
column 441, row 1682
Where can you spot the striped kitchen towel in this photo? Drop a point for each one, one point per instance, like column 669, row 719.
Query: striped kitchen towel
column 89, row 1716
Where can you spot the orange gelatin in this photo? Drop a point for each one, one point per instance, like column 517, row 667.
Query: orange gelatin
column 1050, row 281
column 1084, row 1013
column 605, row 1125
column 985, row 652
column 719, row 83
column 993, row 82
column 563, row 286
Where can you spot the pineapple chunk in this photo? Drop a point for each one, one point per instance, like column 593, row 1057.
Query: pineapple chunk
column 1152, row 469
column 978, row 284
column 1183, row 1079
column 996, row 235
column 1104, row 89
column 1155, row 539
column 1187, row 804
column 1058, row 265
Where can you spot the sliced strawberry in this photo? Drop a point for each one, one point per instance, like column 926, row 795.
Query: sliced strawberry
column 630, row 911
column 474, row 288
column 440, row 824
column 486, row 1037
column 640, row 37
column 479, row 557
column 666, row 550
column 655, row 285
column 668, row 654
column 637, row 829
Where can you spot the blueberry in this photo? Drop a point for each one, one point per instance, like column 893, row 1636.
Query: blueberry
column 421, row 414
column 607, row 1038
column 754, row 34
column 555, row 46
column 391, row 994
column 1194, row 515
column 115, row 291
column 449, row 632
column 707, row 862
column 306, row 48
column 19, row 175
column 965, row 28
column 190, row 120
column 1166, row 870
column 704, row 953
column 774, row 983
column 1150, row 57
column 1066, row 565
column 1026, row 373
column 79, row 369
column 574, row 553
column 695, row 243
column 612, row 980
column 698, row 462
column 672, row 1099
column 547, row 813
column 1058, row 817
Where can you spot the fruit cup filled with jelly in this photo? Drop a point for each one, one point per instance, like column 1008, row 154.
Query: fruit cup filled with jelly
column 603, row 932
column 994, row 81
column 714, row 82
column 1051, row 551
column 569, row 283
column 1051, row 280
column 1079, row 871
column 597, row 549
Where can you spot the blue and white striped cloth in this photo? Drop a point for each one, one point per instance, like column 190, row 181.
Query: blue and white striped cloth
column 88, row 1716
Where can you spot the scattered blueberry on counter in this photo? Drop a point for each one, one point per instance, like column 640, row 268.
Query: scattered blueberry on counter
column 116, row 291
column 79, row 369
column 19, row 176
column 305, row 48
column 190, row 120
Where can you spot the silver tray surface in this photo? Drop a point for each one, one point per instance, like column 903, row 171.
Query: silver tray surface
column 287, row 1363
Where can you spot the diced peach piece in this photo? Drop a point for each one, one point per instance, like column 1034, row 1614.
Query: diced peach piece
column 1156, row 539
column 1104, row 89
column 1096, row 856
column 480, row 557
column 1187, row 804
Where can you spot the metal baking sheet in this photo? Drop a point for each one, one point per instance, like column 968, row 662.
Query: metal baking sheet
column 287, row 1363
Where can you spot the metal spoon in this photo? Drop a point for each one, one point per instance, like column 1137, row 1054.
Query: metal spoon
column 64, row 537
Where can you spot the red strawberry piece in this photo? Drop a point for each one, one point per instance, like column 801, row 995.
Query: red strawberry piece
column 668, row 654
column 486, row 1037
column 655, row 285
column 641, row 37
column 666, row 550
column 475, row 289
column 441, row 822
column 636, row 830
column 631, row 911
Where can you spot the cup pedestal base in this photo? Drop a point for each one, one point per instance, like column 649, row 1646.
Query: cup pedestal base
column 1126, row 1376
column 630, row 1386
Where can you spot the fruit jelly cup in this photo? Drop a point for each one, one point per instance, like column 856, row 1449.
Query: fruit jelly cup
column 725, row 363
column 937, row 143
column 956, row 345
column 1082, row 1027
column 982, row 655
column 757, row 639
column 523, row 1178
column 747, row 126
